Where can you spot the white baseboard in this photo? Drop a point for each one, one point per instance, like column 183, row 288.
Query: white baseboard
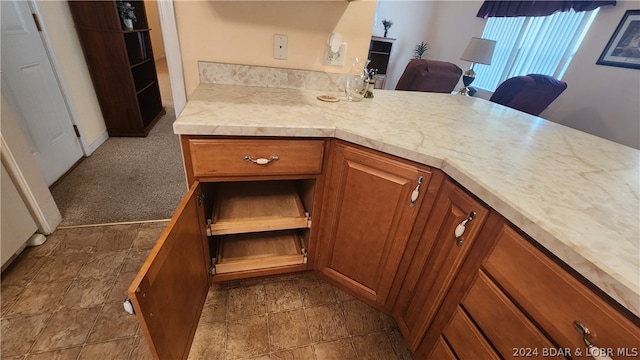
column 96, row 144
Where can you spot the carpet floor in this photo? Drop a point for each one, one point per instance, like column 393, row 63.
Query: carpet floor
column 125, row 179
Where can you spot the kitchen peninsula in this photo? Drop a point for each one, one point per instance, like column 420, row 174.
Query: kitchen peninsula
column 574, row 194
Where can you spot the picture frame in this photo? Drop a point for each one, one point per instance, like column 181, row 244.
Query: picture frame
column 623, row 49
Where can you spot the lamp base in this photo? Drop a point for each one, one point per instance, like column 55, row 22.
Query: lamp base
column 467, row 79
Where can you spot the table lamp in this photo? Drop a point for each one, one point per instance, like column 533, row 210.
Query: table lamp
column 478, row 51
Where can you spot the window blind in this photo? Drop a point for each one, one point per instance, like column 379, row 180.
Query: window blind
column 532, row 45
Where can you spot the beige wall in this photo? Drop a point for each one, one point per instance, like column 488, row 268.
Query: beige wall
column 154, row 24
column 241, row 32
column 57, row 20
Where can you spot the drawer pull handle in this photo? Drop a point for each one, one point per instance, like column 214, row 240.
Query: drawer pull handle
column 462, row 227
column 261, row 161
column 416, row 192
column 592, row 350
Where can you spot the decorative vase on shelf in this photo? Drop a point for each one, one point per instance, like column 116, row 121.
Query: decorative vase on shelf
column 356, row 81
column 128, row 23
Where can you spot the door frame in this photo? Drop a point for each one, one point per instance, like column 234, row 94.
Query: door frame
column 169, row 28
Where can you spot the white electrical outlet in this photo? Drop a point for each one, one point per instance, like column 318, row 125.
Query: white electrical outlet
column 335, row 58
column 280, row 47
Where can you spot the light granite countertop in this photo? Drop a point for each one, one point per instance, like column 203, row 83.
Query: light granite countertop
column 574, row 193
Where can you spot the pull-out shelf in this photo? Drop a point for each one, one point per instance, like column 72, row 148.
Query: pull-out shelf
column 258, row 225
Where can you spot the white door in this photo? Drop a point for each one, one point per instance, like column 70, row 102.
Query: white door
column 32, row 90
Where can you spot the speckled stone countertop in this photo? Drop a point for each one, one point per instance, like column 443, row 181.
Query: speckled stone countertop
column 574, row 193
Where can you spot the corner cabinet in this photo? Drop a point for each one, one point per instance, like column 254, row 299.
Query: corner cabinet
column 370, row 206
column 121, row 65
column 249, row 213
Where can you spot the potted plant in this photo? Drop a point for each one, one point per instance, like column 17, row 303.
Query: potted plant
column 420, row 50
column 387, row 24
column 127, row 15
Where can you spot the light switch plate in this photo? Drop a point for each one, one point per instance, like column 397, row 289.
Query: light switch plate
column 280, row 46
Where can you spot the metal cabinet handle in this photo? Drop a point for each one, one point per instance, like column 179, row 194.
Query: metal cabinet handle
column 462, row 227
column 261, row 161
column 592, row 350
column 416, row 192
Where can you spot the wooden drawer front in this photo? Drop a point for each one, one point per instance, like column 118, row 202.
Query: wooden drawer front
column 216, row 158
column 465, row 339
column 442, row 351
column 554, row 299
column 499, row 319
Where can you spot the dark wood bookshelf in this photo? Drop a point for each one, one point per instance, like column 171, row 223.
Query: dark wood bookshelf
column 121, row 65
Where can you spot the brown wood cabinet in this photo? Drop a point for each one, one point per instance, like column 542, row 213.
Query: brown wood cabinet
column 247, row 214
column 437, row 259
column 516, row 301
column 121, row 65
column 368, row 214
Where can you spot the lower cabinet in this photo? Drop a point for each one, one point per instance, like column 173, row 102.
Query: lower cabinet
column 450, row 232
column 371, row 202
column 513, row 300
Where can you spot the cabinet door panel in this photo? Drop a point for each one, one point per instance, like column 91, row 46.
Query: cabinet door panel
column 169, row 291
column 430, row 276
column 370, row 220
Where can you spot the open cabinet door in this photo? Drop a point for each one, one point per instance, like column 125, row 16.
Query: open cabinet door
column 170, row 290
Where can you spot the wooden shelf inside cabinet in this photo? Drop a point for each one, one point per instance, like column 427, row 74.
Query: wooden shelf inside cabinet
column 244, row 207
column 254, row 251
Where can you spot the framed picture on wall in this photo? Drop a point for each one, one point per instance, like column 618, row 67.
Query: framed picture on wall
column 623, row 49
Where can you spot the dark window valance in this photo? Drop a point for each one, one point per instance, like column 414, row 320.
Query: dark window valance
column 535, row 8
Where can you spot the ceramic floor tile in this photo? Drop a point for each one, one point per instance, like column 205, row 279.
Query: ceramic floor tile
column 148, row 234
column 340, row 349
column 209, row 342
column 19, row 334
column 315, row 291
column 67, row 328
column 112, row 350
column 117, row 237
column 343, row 296
column 78, row 240
column 9, row 295
column 374, row 346
column 113, row 323
column 140, row 350
column 288, row 330
column 326, row 322
column 48, row 247
column 134, row 260
column 88, row 292
column 215, row 307
column 361, row 318
column 39, row 298
column 22, row 270
column 63, row 354
column 104, row 264
column 119, row 289
column 282, row 296
column 57, row 268
column 399, row 344
column 246, row 301
column 387, row 321
column 303, row 353
column 247, row 337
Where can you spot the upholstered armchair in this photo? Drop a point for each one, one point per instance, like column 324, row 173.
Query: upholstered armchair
column 529, row 93
column 429, row 76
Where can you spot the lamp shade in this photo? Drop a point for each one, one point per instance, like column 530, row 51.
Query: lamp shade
column 479, row 51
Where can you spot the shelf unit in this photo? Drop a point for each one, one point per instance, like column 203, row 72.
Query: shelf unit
column 121, row 65
column 379, row 54
column 258, row 225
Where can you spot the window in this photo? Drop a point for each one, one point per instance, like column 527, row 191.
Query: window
column 532, row 45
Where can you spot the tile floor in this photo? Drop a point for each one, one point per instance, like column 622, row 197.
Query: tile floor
column 63, row 300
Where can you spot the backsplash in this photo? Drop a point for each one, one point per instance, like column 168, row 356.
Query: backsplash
column 248, row 75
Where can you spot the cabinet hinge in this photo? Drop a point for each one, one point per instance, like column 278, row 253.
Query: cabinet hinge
column 37, row 21
column 212, row 269
column 208, row 227
column 308, row 216
column 200, row 198
column 75, row 128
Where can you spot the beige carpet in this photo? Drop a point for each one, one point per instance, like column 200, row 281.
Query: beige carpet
column 125, row 179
